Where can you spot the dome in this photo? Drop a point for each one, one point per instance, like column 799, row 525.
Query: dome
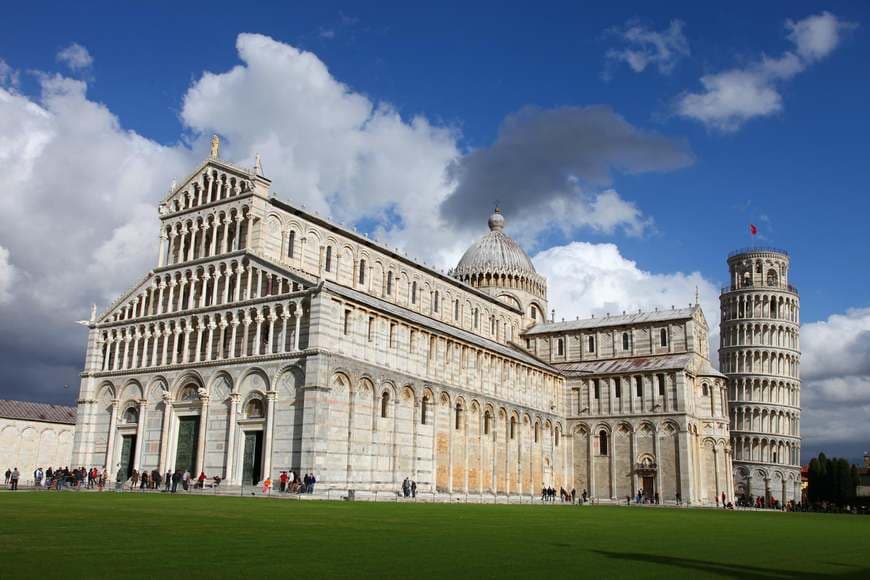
column 495, row 253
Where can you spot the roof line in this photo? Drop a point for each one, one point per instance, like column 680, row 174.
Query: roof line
column 320, row 220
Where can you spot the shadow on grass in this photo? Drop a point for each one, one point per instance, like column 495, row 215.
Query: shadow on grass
column 732, row 570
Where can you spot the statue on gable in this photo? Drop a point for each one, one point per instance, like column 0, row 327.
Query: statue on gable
column 215, row 146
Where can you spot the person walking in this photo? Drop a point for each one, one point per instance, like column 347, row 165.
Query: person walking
column 13, row 478
column 413, row 489
column 168, row 479
column 185, row 480
column 8, row 476
column 311, row 483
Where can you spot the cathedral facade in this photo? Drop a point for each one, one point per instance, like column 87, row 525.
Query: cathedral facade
column 270, row 339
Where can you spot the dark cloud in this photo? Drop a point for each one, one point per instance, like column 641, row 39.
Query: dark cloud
column 545, row 155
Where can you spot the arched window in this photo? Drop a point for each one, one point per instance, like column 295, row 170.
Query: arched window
column 591, row 344
column 458, row 425
column 328, row 261
column 424, row 410
column 513, row 427
column 189, row 393
column 362, row 271
column 558, row 436
column 487, row 422
column 456, row 310
column 663, row 337
column 533, row 312
column 560, row 347
column 414, row 292
column 131, row 415
column 291, row 244
column 625, row 341
column 705, row 390
column 385, row 404
column 389, row 283
column 758, row 267
column 435, row 301
column 772, row 278
column 254, row 409
column 602, row 442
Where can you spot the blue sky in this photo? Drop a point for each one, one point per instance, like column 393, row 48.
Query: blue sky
column 798, row 173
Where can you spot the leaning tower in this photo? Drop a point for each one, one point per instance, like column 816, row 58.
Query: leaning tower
column 760, row 353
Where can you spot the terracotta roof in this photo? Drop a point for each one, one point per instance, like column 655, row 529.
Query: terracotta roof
column 635, row 364
column 30, row 411
column 608, row 321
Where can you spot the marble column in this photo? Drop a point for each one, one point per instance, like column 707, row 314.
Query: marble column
column 140, row 434
column 110, row 444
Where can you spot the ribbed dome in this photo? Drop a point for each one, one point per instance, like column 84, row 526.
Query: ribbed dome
column 495, row 252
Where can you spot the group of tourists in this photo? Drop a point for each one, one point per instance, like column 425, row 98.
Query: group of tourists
column 60, row 478
column 548, row 495
column 642, row 497
column 290, row 482
column 409, row 488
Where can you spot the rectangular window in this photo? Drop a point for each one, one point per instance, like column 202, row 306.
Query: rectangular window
column 618, row 388
column 661, row 379
column 371, row 328
column 638, row 381
column 346, row 322
column 596, row 388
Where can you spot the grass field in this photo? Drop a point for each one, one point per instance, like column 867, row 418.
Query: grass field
column 149, row 536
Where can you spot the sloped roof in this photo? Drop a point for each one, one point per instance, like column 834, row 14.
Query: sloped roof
column 422, row 320
column 608, row 321
column 635, row 364
column 30, row 411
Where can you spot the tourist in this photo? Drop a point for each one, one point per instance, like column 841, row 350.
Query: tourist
column 573, row 496
column 8, row 476
column 406, row 488
column 185, row 480
column 584, row 496
column 723, row 501
column 267, row 485
column 657, row 498
column 679, row 500
column 200, row 481
column 176, row 477
column 143, row 483
column 413, row 489
column 13, row 478
column 168, row 479
column 37, row 477
column 311, row 481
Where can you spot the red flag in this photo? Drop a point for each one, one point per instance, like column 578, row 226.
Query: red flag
column 753, row 229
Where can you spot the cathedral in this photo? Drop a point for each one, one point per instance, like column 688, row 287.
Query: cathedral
column 268, row 339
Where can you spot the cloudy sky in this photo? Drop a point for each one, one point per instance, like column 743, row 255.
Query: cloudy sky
column 629, row 149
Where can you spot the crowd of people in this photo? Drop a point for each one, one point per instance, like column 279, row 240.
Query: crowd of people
column 290, row 482
column 60, row 478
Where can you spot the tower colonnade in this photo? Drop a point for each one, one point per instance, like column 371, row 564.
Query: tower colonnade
column 760, row 353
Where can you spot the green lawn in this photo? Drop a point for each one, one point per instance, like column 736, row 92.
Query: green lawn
column 150, row 536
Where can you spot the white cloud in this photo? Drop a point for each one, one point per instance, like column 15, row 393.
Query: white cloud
column 585, row 279
column 7, row 273
column 9, row 77
column 325, row 146
column 76, row 57
column 644, row 47
column 835, row 370
column 732, row 97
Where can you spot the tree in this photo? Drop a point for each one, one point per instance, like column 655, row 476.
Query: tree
column 814, row 481
column 844, row 491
